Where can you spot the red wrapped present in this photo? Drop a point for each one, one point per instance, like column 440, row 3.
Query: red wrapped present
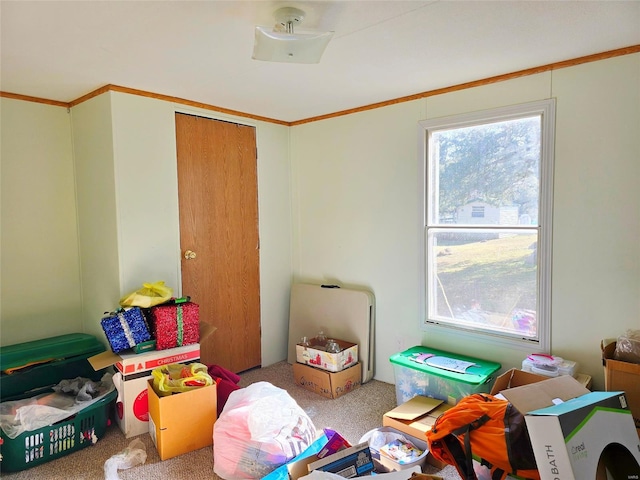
column 175, row 324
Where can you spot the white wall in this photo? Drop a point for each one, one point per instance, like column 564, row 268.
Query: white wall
column 146, row 188
column 40, row 271
column 356, row 219
column 275, row 227
column 356, row 206
column 596, row 257
column 139, row 171
column 125, row 227
column 341, row 207
column 97, row 211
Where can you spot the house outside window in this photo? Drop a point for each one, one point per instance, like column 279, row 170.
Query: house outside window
column 487, row 186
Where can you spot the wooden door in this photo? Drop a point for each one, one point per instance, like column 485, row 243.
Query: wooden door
column 218, row 202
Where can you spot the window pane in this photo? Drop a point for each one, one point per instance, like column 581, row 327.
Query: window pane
column 486, row 174
column 484, row 279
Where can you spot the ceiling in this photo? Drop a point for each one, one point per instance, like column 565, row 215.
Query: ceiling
column 381, row 50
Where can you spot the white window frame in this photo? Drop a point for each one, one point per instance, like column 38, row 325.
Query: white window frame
column 545, row 108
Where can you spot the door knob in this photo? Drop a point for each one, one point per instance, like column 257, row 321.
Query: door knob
column 189, row 255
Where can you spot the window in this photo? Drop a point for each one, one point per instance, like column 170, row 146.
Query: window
column 487, row 186
column 477, row 211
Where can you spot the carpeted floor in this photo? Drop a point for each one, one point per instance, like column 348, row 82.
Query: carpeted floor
column 352, row 415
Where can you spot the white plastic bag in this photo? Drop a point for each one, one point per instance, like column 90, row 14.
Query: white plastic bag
column 628, row 347
column 134, row 454
column 68, row 398
column 260, row 428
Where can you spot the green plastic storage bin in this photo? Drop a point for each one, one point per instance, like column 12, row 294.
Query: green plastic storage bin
column 46, row 362
column 34, row 367
column 413, row 376
column 36, row 447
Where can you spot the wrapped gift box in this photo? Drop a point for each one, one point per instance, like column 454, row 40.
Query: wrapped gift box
column 125, row 329
column 175, row 324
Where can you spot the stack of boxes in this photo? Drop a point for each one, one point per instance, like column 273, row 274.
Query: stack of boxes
column 327, row 373
column 132, row 373
column 144, row 339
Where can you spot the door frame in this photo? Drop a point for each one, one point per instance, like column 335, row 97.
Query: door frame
column 230, row 119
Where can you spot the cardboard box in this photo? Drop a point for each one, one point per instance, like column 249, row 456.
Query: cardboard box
column 332, row 362
column 516, row 378
column 403, row 475
column 298, row 469
column 548, row 392
column 301, row 466
column 182, row 422
column 584, row 380
column 584, row 437
column 622, row 376
column 132, row 372
column 351, row 462
column 327, row 384
column 415, row 418
column 558, row 412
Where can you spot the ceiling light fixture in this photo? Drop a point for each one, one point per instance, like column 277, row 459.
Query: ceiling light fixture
column 281, row 44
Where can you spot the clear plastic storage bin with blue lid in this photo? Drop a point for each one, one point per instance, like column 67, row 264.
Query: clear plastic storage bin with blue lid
column 439, row 374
